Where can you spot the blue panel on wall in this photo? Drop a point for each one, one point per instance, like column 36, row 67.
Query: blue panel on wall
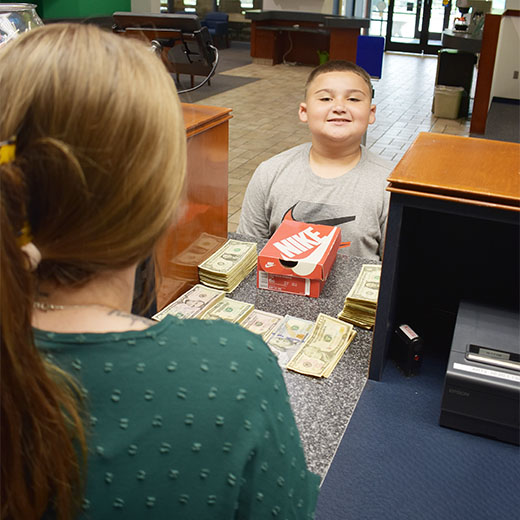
column 369, row 54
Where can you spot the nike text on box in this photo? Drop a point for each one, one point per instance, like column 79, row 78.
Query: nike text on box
column 298, row 258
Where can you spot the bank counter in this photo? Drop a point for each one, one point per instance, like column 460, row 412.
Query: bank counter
column 322, row 407
column 278, row 36
column 453, row 234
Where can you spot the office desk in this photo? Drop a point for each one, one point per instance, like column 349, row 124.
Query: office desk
column 201, row 224
column 453, row 233
column 461, row 41
column 322, row 407
column 297, row 36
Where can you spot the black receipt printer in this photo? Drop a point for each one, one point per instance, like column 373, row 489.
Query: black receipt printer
column 482, row 384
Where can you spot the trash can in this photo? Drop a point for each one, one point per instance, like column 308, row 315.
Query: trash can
column 446, row 101
column 323, row 56
column 455, row 69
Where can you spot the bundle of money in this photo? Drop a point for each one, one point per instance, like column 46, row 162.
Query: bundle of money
column 229, row 265
column 361, row 301
column 287, row 337
column 261, row 322
column 186, row 264
column 192, row 303
column 323, row 348
column 229, row 310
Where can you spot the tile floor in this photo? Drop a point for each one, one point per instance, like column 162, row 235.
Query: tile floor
column 265, row 118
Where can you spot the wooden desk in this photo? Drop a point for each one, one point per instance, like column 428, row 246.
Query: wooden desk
column 297, row 36
column 453, row 233
column 201, row 225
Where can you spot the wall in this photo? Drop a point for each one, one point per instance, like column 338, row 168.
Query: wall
column 80, row 8
column 146, row 6
column 309, row 6
column 507, row 60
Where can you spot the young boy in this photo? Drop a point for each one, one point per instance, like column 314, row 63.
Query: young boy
column 332, row 180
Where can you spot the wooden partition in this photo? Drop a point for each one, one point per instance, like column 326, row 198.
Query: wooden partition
column 485, row 73
column 200, row 227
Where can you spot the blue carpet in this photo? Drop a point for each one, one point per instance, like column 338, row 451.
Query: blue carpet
column 395, row 461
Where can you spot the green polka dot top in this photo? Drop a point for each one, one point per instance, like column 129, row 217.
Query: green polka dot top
column 188, row 420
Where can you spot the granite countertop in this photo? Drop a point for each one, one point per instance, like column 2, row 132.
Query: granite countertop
column 461, row 41
column 332, row 21
column 322, row 407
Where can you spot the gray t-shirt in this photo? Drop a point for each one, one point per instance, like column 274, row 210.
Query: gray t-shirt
column 285, row 187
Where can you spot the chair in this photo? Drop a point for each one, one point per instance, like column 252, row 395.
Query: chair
column 186, row 46
column 217, row 24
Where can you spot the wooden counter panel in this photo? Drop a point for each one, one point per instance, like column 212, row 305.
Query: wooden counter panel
column 296, row 45
column 304, row 47
column 464, row 167
column 463, row 200
column 198, row 118
column 343, row 44
column 200, row 227
column 486, row 66
column 307, row 37
column 263, row 43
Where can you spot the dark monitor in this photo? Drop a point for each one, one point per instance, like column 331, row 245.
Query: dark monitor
column 187, row 47
column 187, row 23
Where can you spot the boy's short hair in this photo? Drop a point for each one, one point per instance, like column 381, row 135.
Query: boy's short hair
column 339, row 66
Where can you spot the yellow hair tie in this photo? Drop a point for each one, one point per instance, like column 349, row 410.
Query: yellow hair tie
column 8, row 150
column 7, row 155
column 24, row 236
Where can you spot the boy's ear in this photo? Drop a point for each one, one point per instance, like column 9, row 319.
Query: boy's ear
column 302, row 112
column 372, row 116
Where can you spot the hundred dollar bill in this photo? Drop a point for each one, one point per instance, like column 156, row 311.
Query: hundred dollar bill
column 261, row 322
column 366, row 287
column 225, row 259
column 287, row 337
column 229, row 310
column 324, row 346
column 192, row 303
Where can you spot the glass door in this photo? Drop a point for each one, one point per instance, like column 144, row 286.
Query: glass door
column 412, row 25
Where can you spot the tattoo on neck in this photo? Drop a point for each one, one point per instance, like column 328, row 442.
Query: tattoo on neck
column 132, row 317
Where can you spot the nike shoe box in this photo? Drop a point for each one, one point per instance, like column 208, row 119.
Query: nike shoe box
column 298, row 258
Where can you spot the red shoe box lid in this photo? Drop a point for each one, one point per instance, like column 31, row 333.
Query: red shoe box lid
column 298, row 258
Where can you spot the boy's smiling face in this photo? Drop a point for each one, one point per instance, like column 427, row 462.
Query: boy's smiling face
column 338, row 108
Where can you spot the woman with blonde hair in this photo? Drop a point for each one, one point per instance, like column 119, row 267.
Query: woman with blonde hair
column 105, row 413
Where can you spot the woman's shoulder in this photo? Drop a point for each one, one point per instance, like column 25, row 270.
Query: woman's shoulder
column 220, row 341
column 188, row 343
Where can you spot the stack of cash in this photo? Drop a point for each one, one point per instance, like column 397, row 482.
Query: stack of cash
column 323, row 348
column 261, row 322
column 186, row 264
column 361, row 302
column 287, row 337
column 228, row 310
column 191, row 304
column 229, row 265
